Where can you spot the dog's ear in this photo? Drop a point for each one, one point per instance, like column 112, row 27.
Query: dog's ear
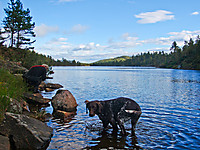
column 86, row 101
column 99, row 107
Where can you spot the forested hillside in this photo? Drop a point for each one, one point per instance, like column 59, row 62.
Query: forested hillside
column 28, row 58
column 187, row 57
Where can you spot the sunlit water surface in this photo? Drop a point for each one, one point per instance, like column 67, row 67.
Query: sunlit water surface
column 170, row 102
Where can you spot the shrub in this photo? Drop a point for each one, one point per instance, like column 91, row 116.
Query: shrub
column 11, row 86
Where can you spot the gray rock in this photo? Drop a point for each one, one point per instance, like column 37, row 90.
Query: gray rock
column 64, row 100
column 4, row 143
column 13, row 67
column 26, row 132
column 15, row 106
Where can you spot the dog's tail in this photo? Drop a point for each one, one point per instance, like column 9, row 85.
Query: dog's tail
column 133, row 112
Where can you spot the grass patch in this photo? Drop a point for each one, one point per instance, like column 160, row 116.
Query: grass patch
column 11, row 86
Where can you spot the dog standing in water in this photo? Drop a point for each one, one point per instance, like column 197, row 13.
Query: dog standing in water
column 116, row 112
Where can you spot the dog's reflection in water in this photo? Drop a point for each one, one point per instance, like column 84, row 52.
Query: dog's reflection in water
column 113, row 140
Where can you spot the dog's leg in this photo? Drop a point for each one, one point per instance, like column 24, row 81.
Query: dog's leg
column 121, row 125
column 105, row 124
column 114, row 125
column 134, row 122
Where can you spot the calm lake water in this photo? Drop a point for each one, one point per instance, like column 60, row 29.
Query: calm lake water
column 169, row 99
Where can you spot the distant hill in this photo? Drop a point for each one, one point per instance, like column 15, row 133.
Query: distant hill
column 118, row 61
column 187, row 57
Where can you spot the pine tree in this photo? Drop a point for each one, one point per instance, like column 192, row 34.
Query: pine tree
column 18, row 24
column 9, row 21
column 2, row 37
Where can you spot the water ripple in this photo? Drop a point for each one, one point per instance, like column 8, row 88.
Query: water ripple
column 170, row 102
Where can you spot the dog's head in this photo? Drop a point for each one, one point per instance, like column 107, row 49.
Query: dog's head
column 94, row 107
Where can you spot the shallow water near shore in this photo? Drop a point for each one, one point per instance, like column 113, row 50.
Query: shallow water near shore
column 169, row 99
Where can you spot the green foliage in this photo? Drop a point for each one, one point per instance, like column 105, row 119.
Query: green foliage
column 2, row 38
column 186, row 58
column 29, row 58
column 17, row 24
column 4, row 102
column 118, row 61
column 65, row 62
column 10, row 87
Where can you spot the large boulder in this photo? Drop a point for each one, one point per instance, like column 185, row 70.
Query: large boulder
column 64, row 100
column 25, row 132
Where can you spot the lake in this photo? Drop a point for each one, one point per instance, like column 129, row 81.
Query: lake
column 169, row 99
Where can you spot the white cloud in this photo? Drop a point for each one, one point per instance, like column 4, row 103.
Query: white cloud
column 156, row 16
column 195, row 13
column 86, row 47
column 56, row 46
column 78, row 29
column 91, row 51
column 62, row 39
column 43, row 30
column 128, row 42
column 179, row 37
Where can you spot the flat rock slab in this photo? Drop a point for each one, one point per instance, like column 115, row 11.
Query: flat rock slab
column 36, row 98
column 26, row 132
column 53, row 86
column 49, row 86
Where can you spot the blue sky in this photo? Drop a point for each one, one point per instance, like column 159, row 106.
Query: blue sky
column 91, row 30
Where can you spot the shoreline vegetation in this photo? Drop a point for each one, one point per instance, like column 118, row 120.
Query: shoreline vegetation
column 22, row 109
column 187, row 57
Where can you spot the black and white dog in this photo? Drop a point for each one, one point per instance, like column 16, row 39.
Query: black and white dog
column 115, row 112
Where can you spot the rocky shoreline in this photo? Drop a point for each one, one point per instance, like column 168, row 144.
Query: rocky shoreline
column 24, row 127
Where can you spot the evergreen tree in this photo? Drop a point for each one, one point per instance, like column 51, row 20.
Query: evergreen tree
column 9, row 21
column 18, row 24
column 2, row 38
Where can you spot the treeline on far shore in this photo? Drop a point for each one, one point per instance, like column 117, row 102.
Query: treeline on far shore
column 28, row 58
column 187, row 57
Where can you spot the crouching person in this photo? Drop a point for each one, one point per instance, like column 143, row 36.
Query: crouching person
column 36, row 75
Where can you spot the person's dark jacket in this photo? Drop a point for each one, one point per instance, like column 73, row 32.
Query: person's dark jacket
column 35, row 75
column 37, row 71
